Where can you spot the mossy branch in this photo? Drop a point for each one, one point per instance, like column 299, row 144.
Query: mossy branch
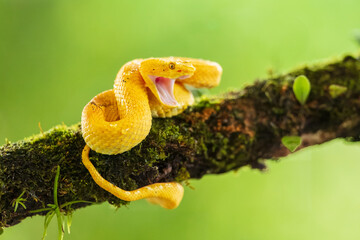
column 214, row 136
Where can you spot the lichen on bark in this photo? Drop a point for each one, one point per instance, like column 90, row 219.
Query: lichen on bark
column 216, row 135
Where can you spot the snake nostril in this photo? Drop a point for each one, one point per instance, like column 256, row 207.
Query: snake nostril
column 179, row 70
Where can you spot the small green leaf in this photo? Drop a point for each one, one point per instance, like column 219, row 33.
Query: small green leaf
column 336, row 90
column 291, row 142
column 301, row 88
column 22, row 204
column 17, row 201
column 15, row 205
column 47, row 221
column 1, row 231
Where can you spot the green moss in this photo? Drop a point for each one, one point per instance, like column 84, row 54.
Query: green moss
column 182, row 175
column 205, row 102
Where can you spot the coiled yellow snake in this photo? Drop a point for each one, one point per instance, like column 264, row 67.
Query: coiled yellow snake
column 116, row 120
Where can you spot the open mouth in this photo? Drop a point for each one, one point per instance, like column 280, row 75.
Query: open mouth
column 165, row 89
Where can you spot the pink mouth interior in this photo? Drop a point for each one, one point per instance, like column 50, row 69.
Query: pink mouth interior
column 165, row 89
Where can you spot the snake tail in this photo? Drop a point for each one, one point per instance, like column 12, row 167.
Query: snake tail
column 167, row 195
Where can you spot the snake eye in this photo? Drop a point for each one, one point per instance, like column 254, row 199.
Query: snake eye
column 172, row 66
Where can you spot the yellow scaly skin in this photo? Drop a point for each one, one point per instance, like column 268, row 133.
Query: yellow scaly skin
column 118, row 119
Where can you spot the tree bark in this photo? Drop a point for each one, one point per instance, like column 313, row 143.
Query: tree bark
column 216, row 135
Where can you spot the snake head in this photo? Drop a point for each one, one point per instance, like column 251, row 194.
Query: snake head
column 160, row 75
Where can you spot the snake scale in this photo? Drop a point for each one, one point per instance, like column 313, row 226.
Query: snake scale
column 118, row 119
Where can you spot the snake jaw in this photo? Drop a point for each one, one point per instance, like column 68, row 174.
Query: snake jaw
column 183, row 77
column 165, row 90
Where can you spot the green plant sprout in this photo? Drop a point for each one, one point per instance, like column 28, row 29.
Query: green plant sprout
column 55, row 209
column 19, row 200
column 291, row 142
column 336, row 90
column 301, row 88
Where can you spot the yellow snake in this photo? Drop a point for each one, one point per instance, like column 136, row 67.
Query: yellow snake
column 116, row 120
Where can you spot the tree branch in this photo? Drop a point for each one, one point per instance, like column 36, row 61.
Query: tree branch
column 214, row 136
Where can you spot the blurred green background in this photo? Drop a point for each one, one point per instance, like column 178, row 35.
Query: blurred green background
column 55, row 55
